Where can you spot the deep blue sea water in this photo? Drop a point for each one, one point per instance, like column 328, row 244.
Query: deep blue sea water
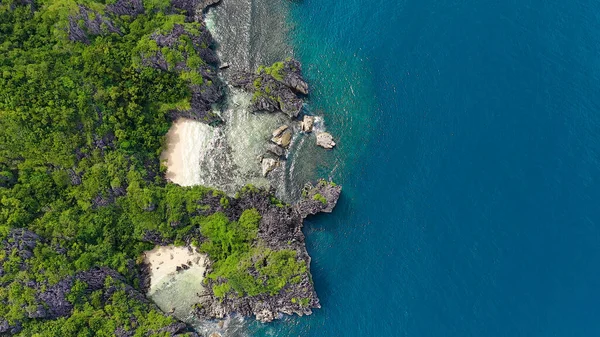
column 469, row 137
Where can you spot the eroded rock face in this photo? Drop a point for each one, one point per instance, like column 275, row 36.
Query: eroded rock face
column 275, row 88
column 282, row 136
column 292, row 71
column 6, row 328
column 280, row 228
column 126, row 7
column 320, row 198
column 210, row 90
column 268, row 165
column 88, row 23
column 325, row 140
column 191, row 6
column 307, row 123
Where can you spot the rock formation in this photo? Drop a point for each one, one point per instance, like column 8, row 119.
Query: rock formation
column 268, row 164
column 282, row 136
column 208, row 89
column 126, row 7
column 50, row 300
column 275, row 88
column 320, row 198
column 88, row 23
column 325, row 140
column 280, row 228
column 307, row 123
column 275, row 150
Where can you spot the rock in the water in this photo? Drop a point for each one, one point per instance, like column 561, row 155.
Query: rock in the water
column 307, row 123
column 268, row 164
column 275, row 149
column 320, row 198
column 325, row 140
column 282, row 136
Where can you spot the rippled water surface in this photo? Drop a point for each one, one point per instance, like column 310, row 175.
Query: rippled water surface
column 469, row 153
column 469, row 140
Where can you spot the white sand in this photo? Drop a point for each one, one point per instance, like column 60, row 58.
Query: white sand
column 187, row 143
column 164, row 260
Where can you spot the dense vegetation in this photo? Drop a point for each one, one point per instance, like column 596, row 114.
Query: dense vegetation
column 83, row 112
column 235, row 259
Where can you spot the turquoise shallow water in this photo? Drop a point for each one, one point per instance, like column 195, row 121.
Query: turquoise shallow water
column 469, row 153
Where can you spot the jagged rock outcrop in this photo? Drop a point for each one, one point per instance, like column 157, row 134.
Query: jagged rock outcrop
column 275, row 88
column 292, row 76
column 22, row 241
column 320, row 198
column 126, row 7
column 191, row 6
column 307, row 124
column 6, row 328
column 208, row 89
column 88, row 23
column 280, row 228
column 198, row 34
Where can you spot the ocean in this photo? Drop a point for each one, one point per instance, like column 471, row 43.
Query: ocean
column 469, row 140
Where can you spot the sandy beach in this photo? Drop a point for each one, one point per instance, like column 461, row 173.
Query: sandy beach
column 187, row 141
column 164, row 260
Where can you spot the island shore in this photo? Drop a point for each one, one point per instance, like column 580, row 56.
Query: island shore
column 165, row 262
column 186, row 141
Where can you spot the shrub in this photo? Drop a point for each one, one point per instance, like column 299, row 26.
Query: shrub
column 319, row 197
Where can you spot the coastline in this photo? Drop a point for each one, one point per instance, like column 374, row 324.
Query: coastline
column 184, row 148
column 165, row 262
column 112, row 182
column 195, row 153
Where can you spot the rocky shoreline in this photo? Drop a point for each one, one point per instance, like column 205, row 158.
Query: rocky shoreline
column 279, row 88
column 280, row 228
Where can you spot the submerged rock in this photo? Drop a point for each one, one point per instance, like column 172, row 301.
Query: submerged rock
column 325, row 140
